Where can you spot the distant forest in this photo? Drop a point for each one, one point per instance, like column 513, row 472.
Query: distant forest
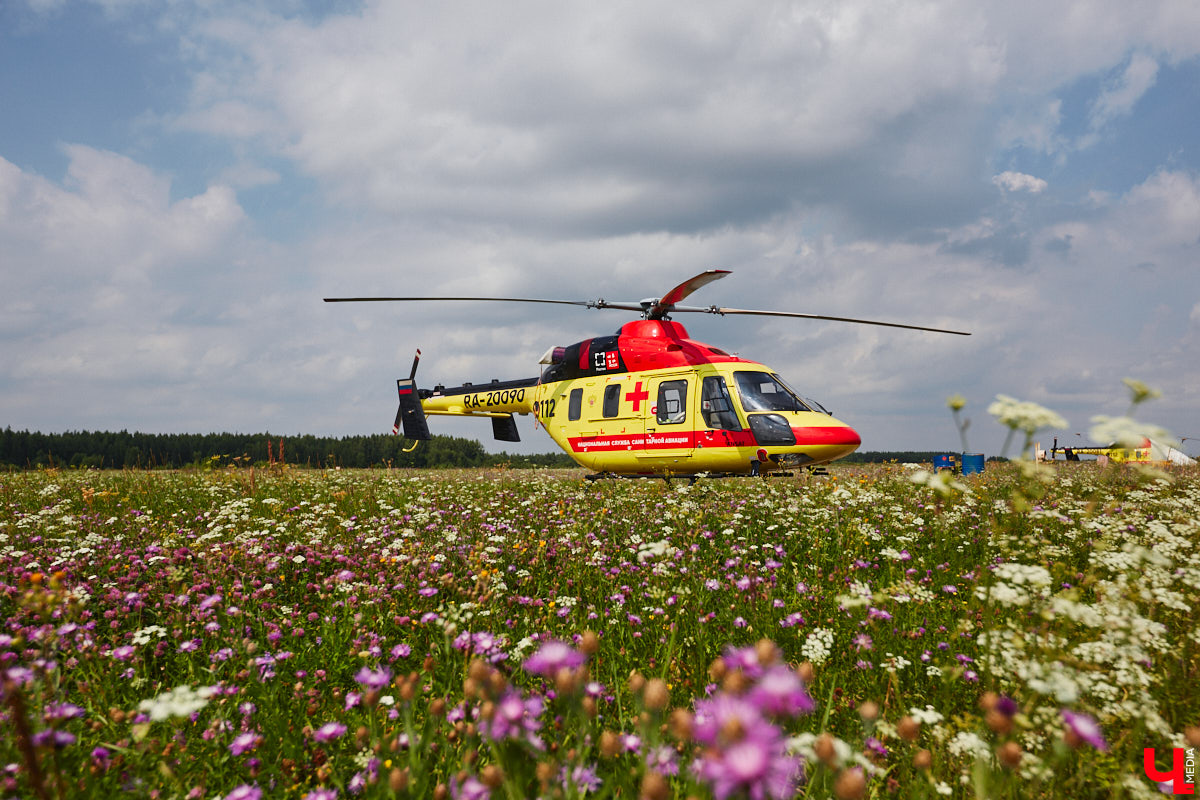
column 104, row 450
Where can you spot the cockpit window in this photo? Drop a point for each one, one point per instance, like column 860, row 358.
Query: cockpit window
column 716, row 405
column 762, row 391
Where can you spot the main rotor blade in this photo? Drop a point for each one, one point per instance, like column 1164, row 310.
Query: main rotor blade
column 664, row 304
column 752, row 312
column 584, row 303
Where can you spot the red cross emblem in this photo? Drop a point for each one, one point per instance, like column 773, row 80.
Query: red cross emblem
column 637, row 396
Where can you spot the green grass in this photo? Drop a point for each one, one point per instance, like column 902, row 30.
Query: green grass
column 1073, row 590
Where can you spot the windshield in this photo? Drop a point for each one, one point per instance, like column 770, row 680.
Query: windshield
column 813, row 405
column 762, row 391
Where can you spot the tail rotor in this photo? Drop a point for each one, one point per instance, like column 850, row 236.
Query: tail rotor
column 410, row 417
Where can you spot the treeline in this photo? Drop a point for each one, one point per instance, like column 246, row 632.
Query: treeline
column 106, row 450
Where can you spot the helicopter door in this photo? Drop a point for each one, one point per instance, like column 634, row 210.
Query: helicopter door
column 668, row 417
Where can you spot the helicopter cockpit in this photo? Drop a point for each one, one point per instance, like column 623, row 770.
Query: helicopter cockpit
column 764, row 391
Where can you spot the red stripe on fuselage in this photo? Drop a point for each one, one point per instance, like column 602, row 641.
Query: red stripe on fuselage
column 674, row 440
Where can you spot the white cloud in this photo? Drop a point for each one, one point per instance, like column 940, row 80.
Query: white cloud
column 1019, row 182
column 1118, row 98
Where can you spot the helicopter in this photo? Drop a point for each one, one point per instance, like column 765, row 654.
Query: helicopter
column 648, row 401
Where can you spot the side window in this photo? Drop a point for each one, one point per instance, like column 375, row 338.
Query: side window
column 716, row 405
column 612, row 400
column 575, row 405
column 672, row 402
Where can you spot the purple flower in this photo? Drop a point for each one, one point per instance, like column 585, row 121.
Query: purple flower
column 376, row 680
column 123, row 653
column 582, row 778
column 245, row 792
column 553, row 656
column 400, row 651
column 471, row 789
column 1086, row 728
column 329, row 731
column 780, row 692
column 750, row 757
column 244, row 743
column 321, row 794
column 746, row 659
column 60, row 711
column 716, row 717
column 663, row 760
column 101, row 758
column 53, row 738
column 515, row 717
column 1007, row 706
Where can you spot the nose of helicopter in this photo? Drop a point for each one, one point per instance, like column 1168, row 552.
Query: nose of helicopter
column 843, row 440
column 830, row 440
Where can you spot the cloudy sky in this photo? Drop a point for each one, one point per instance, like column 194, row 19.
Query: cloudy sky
column 182, row 182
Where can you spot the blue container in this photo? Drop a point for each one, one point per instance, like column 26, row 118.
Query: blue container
column 943, row 462
column 972, row 463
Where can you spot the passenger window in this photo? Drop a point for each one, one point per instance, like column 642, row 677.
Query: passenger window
column 672, row 402
column 575, row 405
column 612, row 400
column 716, row 405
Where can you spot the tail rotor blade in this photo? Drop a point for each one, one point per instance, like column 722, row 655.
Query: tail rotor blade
column 412, row 375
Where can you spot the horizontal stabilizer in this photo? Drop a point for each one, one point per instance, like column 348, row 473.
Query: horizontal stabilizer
column 504, row 429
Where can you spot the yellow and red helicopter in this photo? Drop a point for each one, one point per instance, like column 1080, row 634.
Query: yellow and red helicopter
column 649, row 400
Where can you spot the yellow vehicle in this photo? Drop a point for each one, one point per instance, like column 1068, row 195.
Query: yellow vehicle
column 1114, row 453
column 649, row 400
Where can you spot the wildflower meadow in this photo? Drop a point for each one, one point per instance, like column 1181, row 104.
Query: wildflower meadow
column 1024, row 632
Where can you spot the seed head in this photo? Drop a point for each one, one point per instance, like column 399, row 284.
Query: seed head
column 908, row 728
column 1009, row 754
column 492, row 776
column 850, row 784
column 656, row 696
column 998, row 722
column 654, row 787
column 610, row 744
column 825, row 750
column 681, row 724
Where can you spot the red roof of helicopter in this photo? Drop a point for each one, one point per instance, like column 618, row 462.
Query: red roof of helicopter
column 659, row 344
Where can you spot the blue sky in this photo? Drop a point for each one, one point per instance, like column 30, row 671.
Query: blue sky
column 180, row 184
